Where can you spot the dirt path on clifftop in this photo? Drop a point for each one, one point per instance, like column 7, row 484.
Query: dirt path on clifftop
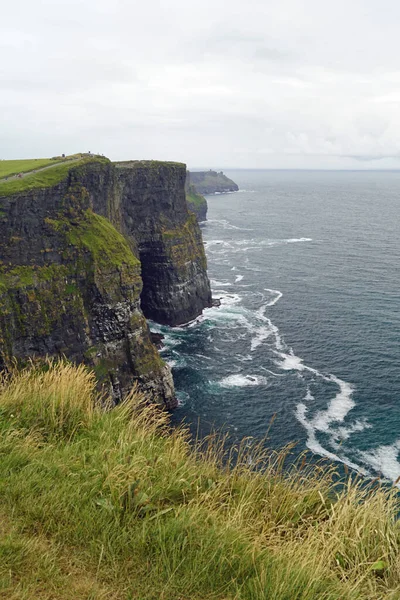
column 22, row 175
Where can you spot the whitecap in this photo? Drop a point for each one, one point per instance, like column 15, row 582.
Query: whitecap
column 239, row 278
column 239, row 380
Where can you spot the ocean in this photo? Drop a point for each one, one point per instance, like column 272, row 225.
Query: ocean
column 305, row 346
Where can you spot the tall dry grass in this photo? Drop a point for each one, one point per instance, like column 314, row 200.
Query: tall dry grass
column 149, row 513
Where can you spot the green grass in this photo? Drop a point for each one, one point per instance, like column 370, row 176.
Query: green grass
column 47, row 177
column 195, row 201
column 115, row 505
column 13, row 167
column 95, row 233
column 149, row 164
column 27, row 275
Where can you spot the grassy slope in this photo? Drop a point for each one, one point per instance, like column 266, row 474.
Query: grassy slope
column 113, row 505
column 45, row 178
column 194, row 199
column 12, row 167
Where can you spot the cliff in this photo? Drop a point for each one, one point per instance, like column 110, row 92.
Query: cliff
column 196, row 203
column 211, row 182
column 86, row 255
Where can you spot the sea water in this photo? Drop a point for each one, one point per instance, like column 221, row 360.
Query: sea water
column 306, row 265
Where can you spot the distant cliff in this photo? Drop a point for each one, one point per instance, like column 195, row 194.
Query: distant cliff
column 85, row 259
column 211, row 182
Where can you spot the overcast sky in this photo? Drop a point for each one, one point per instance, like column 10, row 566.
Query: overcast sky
column 244, row 83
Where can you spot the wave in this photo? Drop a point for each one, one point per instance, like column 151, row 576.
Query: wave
column 239, row 278
column 226, row 299
column 220, row 283
column 239, row 380
column 227, row 225
column 219, row 246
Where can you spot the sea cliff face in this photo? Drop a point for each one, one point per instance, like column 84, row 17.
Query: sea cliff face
column 196, row 203
column 84, row 261
column 154, row 214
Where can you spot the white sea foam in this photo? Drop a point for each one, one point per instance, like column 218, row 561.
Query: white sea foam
column 314, row 445
column 239, row 278
column 168, row 343
column 227, row 299
column 226, row 225
column 215, row 282
column 276, row 295
column 247, row 358
column 384, row 460
column 290, row 362
column 219, row 246
column 239, row 380
column 338, row 408
column 343, row 433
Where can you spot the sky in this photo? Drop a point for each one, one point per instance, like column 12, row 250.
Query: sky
column 308, row 84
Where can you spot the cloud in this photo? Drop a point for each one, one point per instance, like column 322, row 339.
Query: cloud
column 260, row 84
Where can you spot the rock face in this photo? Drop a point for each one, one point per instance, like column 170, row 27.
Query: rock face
column 83, row 260
column 196, row 203
column 211, row 182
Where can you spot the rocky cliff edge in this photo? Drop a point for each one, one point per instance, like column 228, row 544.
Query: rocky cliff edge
column 85, row 260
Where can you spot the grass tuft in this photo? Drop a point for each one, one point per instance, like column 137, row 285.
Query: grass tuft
column 115, row 504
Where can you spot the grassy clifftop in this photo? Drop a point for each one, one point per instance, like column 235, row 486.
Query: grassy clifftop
column 22, row 176
column 113, row 505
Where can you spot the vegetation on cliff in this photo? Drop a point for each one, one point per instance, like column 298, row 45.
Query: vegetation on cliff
column 83, row 257
column 115, row 505
column 197, row 204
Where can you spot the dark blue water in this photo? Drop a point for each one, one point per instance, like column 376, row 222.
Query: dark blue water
column 307, row 268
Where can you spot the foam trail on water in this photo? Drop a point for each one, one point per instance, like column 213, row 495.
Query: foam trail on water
column 238, row 278
column 343, row 433
column 338, row 408
column 314, row 445
column 277, row 295
column 302, row 239
column 226, row 225
column 384, row 460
